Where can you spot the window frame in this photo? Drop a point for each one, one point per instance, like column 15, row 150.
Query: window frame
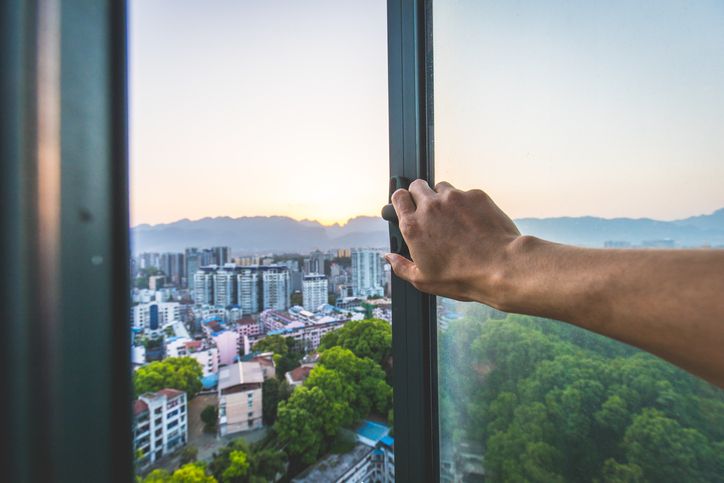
column 414, row 323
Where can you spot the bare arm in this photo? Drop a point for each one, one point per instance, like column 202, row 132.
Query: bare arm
column 667, row 302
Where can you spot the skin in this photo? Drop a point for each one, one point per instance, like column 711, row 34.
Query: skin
column 667, row 302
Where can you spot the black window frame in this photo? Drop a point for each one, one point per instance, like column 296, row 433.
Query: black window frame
column 414, row 321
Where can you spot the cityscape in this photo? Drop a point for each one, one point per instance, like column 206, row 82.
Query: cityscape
column 223, row 347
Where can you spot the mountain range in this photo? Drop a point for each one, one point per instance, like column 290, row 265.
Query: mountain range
column 278, row 234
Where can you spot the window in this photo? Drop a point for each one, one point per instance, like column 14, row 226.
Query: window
column 259, row 162
column 576, row 110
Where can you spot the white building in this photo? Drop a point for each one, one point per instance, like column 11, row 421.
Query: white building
column 314, row 291
column 224, row 288
column 240, row 403
column 367, row 272
column 205, row 354
column 160, row 423
column 248, row 290
column 204, row 287
column 161, row 313
column 277, row 287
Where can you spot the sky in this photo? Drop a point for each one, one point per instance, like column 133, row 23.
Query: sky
column 243, row 108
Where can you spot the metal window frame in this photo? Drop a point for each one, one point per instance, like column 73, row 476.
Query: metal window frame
column 64, row 188
column 414, row 321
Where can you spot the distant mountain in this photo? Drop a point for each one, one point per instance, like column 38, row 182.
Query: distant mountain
column 262, row 234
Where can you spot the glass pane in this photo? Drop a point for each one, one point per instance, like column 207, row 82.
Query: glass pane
column 584, row 121
column 260, row 320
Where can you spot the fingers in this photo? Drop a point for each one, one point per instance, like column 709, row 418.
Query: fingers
column 403, row 268
column 420, row 190
column 402, row 201
column 443, row 186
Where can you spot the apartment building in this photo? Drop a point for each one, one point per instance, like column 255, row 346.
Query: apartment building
column 160, row 424
column 154, row 315
column 206, row 354
column 367, row 272
column 240, row 400
column 314, row 291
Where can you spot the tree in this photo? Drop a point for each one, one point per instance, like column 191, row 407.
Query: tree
column 273, row 391
column 188, row 473
column 665, row 451
column 182, row 373
column 263, row 463
column 209, row 416
column 371, row 338
column 286, row 353
column 189, row 454
column 238, row 467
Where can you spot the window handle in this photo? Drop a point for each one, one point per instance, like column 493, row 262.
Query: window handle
column 397, row 242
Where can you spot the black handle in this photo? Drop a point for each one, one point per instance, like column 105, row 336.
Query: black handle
column 397, row 242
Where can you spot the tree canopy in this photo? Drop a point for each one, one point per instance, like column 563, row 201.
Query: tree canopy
column 188, row 473
column 370, row 338
column 240, row 462
column 550, row 402
column 286, row 353
column 182, row 373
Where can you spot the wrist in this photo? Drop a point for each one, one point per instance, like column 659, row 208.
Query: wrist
column 513, row 273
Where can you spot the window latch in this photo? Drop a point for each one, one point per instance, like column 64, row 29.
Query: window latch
column 397, row 242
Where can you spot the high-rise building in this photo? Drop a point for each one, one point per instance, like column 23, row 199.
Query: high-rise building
column 224, row 288
column 204, row 285
column 314, row 291
column 367, row 272
column 172, row 264
column 193, row 263
column 221, row 255
column 277, row 287
column 248, row 290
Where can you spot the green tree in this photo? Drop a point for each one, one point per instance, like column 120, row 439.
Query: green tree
column 192, row 473
column 189, row 454
column 209, row 416
column 273, row 391
column 665, row 451
column 182, row 373
column 286, row 353
column 238, row 467
column 371, row 338
column 263, row 463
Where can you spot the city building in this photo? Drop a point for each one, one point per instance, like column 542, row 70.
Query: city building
column 277, row 287
column 160, row 424
column 156, row 282
column 367, row 273
column 206, row 354
column 314, row 291
column 240, row 400
column 192, row 260
column 371, row 460
column 154, row 315
column 224, row 288
column 248, row 289
column 172, row 264
column 221, row 255
column 204, row 285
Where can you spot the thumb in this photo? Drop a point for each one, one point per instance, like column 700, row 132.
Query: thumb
column 402, row 267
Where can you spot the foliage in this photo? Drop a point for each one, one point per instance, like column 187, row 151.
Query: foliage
column 340, row 390
column 371, row 338
column 286, row 353
column 549, row 402
column 182, row 373
column 273, row 391
column 262, row 464
column 188, row 473
column 189, row 454
column 209, row 416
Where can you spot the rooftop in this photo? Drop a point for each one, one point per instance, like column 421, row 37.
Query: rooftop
column 333, row 466
column 371, row 433
column 240, row 373
column 300, row 374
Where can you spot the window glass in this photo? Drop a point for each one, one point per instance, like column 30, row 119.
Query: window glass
column 260, row 300
column 584, row 121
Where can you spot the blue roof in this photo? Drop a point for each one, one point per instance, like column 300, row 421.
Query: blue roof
column 210, row 381
column 372, row 431
column 388, row 441
column 278, row 331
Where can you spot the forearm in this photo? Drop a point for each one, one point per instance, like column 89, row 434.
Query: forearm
column 641, row 297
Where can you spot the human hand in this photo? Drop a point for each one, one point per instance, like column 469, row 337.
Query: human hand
column 459, row 242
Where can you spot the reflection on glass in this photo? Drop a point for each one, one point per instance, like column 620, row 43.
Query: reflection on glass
column 588, row 111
